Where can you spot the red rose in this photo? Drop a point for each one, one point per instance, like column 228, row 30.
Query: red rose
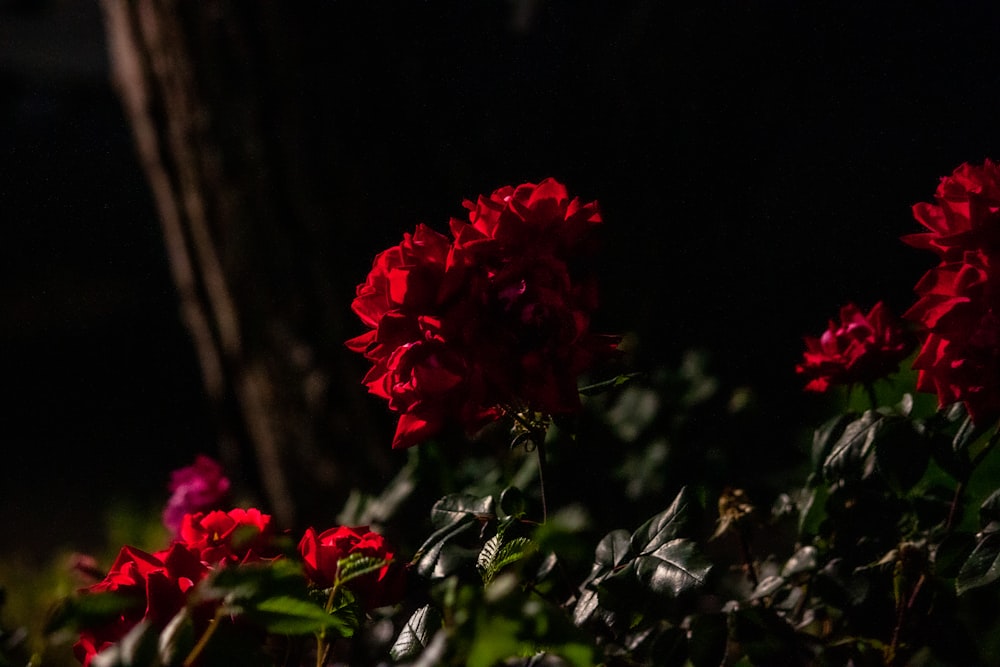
column 405, row 282
column 966, row 215
column 959, row 300
column 197, row 488
column 429, row 384
column 227, row 537
column 499, row 318
column 322, row 553
column 541, row 219
column 858, row 350
column 960, row 358
column 157, row 584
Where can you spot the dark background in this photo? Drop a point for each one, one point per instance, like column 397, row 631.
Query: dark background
column 756, row 164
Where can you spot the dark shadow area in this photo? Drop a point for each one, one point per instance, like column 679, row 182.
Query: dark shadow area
column 756, row 166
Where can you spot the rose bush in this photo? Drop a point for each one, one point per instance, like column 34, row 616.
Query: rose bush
column 883, row 552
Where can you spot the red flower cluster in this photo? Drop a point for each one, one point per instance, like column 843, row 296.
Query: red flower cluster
column 496, row 317
column 858, row 350
column 157, row 584
column 959, row 300
column 154, row 586
column 321, row 554
column 199, row 487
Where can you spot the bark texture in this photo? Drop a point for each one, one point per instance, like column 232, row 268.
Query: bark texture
column 218, row 96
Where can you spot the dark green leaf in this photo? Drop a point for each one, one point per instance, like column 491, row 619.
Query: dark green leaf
column 901, row 453
column 850, row 456
column 613, row 549
column 358, row 565
column 665, row 526
column 952, row 553
column 707, row 642
column 767, row 586
column 673, row 568
column 766, row 637
column 989, row 511
column 512, row 502
column 983, row 566
column 968, row 433
column 453, row 516
column 804, row 560
column 827, row 435
column 585, row 606
column 294, row 616
column 252, row 581
column 496, row 555
column 91, row 610
column 812, row 509
column 416, row 634
column 460, row 508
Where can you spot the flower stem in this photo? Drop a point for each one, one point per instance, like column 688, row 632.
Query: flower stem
column 536, row 434
column 203, row 641
column 322, row 646
column 872, row 397
column 540, row 449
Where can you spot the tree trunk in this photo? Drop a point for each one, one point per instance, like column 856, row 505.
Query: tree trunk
column 217, row 96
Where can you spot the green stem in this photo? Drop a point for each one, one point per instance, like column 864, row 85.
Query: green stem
column 540, row 449
column 537, row 437
column 872, row 397
column 322, row 646
column 203, row 642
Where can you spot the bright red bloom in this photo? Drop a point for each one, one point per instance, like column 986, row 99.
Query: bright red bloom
column 960, row 359
column 156, row 585
column 959, row 300
column 221, row 537
column 199, row 487
column 539, row 219
column 966, row 215
column 858, row 350
column 322, row 553
column 498, row 318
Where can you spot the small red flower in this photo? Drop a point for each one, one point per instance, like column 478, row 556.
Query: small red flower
column 321, row 554
column 857, row 350
column 221, row 538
